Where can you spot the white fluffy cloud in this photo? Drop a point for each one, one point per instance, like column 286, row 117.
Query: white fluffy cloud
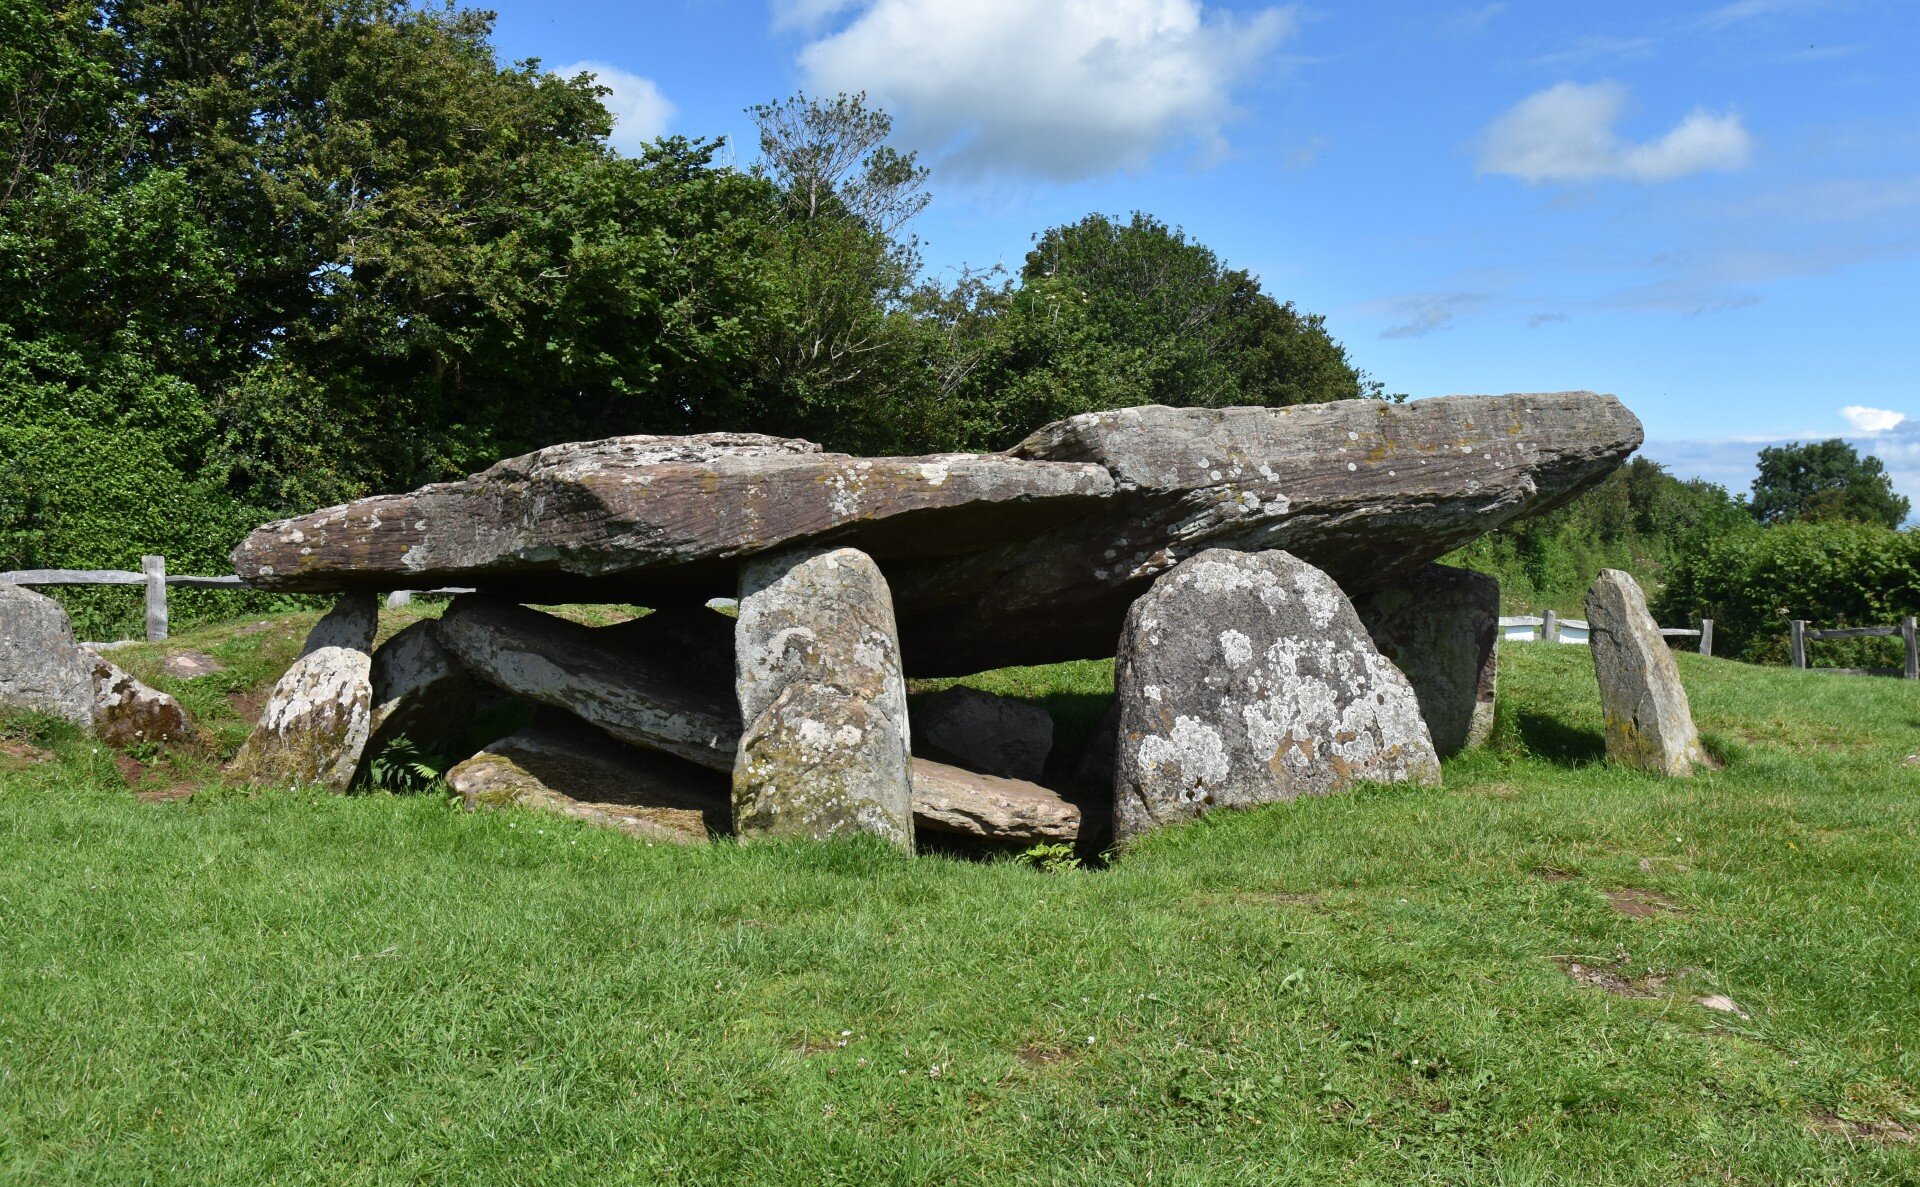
column 1064, row 89
column 1566, row 133
column 1872, row 420
column 640, row 111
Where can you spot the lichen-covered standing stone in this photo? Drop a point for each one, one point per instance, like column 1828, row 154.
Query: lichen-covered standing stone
column 315, row 725
column 1247, row 678
column 128, row 713
column 42, row 669
column 824, row 752
column 1441, row 628
column 1648, row 722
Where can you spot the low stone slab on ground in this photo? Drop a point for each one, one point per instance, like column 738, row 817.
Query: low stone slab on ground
column 824, row 748
column 576, row 771
column 42, row 668
column 599, row 674
column 994, row 734
column 1247, row 678
column 190, row 665
column 127, row 713
column 963, row 803
column 1441, row 628
column 1649, row 724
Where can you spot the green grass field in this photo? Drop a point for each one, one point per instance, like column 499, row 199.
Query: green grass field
column 1495, row 982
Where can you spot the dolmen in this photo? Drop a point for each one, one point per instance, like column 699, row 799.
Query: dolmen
column 1264, row 577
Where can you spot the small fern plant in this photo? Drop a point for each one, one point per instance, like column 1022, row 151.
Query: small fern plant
column 405, row 767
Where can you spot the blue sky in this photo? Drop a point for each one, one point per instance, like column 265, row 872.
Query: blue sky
column 1711, row 210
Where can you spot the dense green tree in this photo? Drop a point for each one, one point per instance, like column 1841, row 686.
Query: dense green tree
column 1823, row 481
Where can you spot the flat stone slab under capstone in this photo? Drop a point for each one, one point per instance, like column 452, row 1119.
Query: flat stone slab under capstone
column 1247, row 678
column 1029, row 556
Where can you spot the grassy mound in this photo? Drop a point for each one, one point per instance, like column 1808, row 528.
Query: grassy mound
column 1498, row 981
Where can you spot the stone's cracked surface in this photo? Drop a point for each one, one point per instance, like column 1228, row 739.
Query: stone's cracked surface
column 1649, row 723
column 1247, row 678
column 575, row 771
column 128, row 713
column 314, row 728
column 1025, row 557
column 1441, row 628
column 607, row 676
column 824, row 751
column 42, row 668
column 968, row 804
column 1367, row 490
column 997, row 735
column 641, row 517
column 420, row 691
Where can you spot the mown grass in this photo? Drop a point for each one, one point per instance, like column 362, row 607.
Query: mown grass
column 1370, row 988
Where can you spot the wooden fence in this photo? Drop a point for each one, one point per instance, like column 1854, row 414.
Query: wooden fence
column 1551, row 628
column 154, row 576
column 1799, row 636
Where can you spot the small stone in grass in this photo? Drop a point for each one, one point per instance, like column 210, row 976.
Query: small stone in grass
column 1722, row 1003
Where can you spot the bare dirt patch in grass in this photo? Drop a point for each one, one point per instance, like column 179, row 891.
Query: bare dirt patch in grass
column 1613, row 977
column 1043, row 1055
column 1554, row 874
column 1882, row 1130
column 1277, row 898
column 1642, row 904
column 15, row 755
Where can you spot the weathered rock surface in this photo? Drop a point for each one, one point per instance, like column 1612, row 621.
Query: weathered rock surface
column 965, row 803
column 997, row 735
column 1648, row 721
column 42, row 668
column 352, row 623
column 1367, row 490
column 419, row 689
column 190, row 665
column 1247, row 678
column 824, row 749
column 128, row 713
column 601, row 675
column 314, row 728
column 578, row 772
column 1441, row 628
column 660, row 513
column 1029, row 556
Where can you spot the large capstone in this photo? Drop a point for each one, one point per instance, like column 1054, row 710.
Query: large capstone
column 994, row 734
column 1649, row 724
column 1247, row 678
column 1441, row 628
column 314, row 728
column 575, row 771
column 42, row 668
column 824, row 751
column 1030, row 556
column 608, row 676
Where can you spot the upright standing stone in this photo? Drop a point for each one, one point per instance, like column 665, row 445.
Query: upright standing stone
column 42, row 668
column 315, row 725
column 1649, row 724
column 825, row 747
column 128, row 713
column 419, row 689
column 1441, row 628
column 1247, row 678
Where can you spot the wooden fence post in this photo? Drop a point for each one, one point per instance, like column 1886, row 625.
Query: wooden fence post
column 1797, row 639
column 1706, row 636
column 1911, row 637
column 155, row 570
column 1550, row 627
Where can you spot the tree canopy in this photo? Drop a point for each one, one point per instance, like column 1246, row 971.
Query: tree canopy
column 1823, row 481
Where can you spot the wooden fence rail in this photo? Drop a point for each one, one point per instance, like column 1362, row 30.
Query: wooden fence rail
column 154, row 576
column 1552, row 628
column 1798, row 636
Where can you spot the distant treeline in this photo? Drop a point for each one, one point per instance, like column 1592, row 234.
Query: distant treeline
column 258, row 256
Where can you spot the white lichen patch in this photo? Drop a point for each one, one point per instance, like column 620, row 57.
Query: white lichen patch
column 1236, row 647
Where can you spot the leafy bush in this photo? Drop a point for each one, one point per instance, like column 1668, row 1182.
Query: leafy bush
column 1830, row 574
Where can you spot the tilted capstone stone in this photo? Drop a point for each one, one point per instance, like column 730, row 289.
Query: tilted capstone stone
column 1441, row 628
column 42, row 668
column 314, row 727
column 1029, row 556
column 1247, row 678
column 824, row 750
column 1649, row 724
column 420, row 691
